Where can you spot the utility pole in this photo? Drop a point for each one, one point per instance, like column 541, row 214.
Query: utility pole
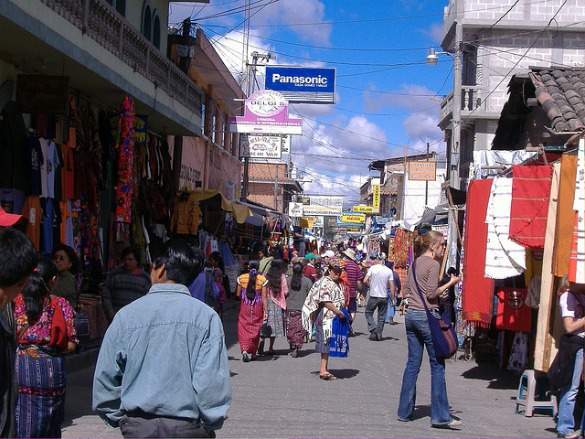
column 426, row 181
column 455, row 153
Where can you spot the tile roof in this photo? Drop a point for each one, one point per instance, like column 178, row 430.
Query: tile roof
column 561, row 93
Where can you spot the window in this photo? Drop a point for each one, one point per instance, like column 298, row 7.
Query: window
column 147, row 22
column 119, row 5
column 156, row 32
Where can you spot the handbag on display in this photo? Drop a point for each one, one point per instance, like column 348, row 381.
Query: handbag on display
column 442, row 333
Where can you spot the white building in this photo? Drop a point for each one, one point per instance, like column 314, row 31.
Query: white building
column 494, row 46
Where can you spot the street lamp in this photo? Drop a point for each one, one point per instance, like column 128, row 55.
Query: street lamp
column 433, row 56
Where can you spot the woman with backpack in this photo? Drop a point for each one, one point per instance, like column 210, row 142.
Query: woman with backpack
column 45, row 332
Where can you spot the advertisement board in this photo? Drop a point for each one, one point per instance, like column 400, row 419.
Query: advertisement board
column 362, row 208
column 352, row 218
column 324, row 205
column 263, row 147
column 295, row 210
column 310, row 85
column 376, row 194
column 422, row 171
column 266, row 112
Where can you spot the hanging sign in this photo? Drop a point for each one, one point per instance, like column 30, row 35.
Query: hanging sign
column 422, row 171
column 324, row 205
column 263, row 147
column 266, row 112
column 302, row 84
column 376, row 194
column 362, row 208
column 353, row 218
column 295, row 210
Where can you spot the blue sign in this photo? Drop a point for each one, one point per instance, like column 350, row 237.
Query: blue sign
column 300, row 84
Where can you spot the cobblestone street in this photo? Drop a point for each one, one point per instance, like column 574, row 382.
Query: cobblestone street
column 283, row 397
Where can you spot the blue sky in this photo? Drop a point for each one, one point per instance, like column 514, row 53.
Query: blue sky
column 381, row 108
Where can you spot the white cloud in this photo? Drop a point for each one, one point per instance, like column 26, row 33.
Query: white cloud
column 422, row 126
column 435, row 32
column 410, row 97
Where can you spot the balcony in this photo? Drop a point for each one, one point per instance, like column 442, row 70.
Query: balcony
column 472, row 103
column 102, row 54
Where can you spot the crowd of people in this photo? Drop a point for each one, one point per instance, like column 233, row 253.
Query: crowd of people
column 176, row 312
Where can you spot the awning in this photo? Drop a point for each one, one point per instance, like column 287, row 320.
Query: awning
column 239, row 210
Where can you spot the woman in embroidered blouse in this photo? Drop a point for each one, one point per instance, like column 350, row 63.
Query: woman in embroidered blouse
column 253, row 294
column 45, row 331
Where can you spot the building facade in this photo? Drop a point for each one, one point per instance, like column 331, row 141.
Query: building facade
column 270, row 185
column 492, row 46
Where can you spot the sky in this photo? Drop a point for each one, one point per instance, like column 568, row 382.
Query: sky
column 387, row 97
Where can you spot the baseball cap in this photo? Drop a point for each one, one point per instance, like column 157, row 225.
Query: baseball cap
column 8, row 219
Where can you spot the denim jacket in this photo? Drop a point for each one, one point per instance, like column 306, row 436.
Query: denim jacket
column 164, row 355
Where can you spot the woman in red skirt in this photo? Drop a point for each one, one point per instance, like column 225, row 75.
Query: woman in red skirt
column 253, row 294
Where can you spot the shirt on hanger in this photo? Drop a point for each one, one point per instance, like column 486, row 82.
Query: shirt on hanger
column 48, row 168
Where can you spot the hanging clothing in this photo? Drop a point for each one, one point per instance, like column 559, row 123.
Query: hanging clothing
column 33, row 213
column 48, row 167
column 477, row 289
column 519, row 356
column 512, row 312
column 125, row 180
column 187, row 215
column 577, row 260
column 35, row 159
column 565, row 215
column 504, row 257
column 530, row 199
column 68, row 169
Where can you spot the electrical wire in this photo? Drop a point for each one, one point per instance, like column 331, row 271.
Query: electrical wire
column 505, row 14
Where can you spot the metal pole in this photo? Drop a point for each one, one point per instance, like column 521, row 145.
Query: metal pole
column 427, row 182
column 251, row 74
column 455, row 159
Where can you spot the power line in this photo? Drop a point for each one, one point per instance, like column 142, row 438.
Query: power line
column 505, row 14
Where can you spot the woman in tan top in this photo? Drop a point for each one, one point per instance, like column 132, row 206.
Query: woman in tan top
column 429, row 248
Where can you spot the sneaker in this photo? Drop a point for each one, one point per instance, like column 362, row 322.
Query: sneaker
column 294, row 353
column 378, row 336
column 455, row 424
column 373, row 336
column 571, row 434
column 246, row 357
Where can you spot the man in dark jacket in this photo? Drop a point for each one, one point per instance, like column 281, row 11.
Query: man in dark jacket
column 17, row 261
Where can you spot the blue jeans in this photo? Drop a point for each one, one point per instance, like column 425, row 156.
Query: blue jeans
column 419, row 336
column 566, row 420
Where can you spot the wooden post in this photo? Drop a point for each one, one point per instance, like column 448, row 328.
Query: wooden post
column 545, row 347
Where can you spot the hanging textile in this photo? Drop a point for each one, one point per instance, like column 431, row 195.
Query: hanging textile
column 125, row 182
column 504, row 257
column 577, row 261
column 519, row 356
column 402, row 243
column 565, row 215
column 477, row 289
column 530, row 197
column 512, row 313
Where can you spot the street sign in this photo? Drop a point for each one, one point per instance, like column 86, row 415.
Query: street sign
column 302, row 84
column 266, row 112
column 353, row 218
column 422, row 171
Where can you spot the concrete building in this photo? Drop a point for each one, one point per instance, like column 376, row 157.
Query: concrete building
column 271, row 186
column 105, row 50
column 493, row 46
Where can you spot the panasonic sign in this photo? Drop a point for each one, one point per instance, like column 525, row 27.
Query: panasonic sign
column 299, row 84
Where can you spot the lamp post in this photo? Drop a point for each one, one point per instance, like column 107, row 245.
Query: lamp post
column 454, row 153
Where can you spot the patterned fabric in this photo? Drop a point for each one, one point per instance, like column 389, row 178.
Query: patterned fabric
column 40, row 332
column 295, row 332
column 339, row 341
column 354, row 274
column 400, row 248
column 276, row 319
column 125, row 183
column 324, row 290
column 40, row 404
column 250, row 321
column 577, row 260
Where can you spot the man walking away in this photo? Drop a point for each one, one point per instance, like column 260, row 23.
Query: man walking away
column 18, row 258
column 380, row 279
column 163, row 367
column 354, row 277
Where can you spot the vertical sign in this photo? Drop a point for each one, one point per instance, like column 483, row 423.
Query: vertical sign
column 376, row 194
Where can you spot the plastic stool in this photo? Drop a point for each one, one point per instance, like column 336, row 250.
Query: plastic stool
column 526, row 395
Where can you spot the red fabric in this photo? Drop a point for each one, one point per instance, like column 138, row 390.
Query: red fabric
column 310, row 272
column 530, row 198
column 250, row 321
column 477, row 289
column 59, row 337
column 513, row 314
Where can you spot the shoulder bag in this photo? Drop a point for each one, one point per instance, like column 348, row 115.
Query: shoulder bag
column 59, row 337
column 442, row 333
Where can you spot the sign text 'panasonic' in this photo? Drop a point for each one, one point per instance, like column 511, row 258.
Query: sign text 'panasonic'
column 300, row 84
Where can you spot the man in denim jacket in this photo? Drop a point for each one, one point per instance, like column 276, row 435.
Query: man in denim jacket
column 163, row 367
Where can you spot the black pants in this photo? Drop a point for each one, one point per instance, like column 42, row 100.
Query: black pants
column 374, row 303
column 143, row 427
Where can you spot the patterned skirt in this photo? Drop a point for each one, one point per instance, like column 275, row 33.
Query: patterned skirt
column 249, row 324
column 294, row 328
column 275, row 319
column 40, row 404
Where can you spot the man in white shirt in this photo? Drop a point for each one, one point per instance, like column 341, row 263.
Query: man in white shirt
column 380, row 279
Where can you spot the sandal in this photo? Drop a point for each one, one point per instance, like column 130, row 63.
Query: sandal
column 328, row 377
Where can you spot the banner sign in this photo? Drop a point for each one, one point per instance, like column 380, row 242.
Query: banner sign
column 376, row 194
column 362, row 208
column 324, row 205
column 307, row 85
column 352, row 218
column 422, row 171
column 266, row 112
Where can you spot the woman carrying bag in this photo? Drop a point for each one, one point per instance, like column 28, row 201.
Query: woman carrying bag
column 423, row 294
column 45, row 332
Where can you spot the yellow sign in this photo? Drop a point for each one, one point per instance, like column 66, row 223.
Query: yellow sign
column 354, row 218
column 308, row 222
column 362, row 208
column 422, row 171
column 376, row 196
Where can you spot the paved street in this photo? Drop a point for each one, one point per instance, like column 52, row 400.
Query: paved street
column 283, row 397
